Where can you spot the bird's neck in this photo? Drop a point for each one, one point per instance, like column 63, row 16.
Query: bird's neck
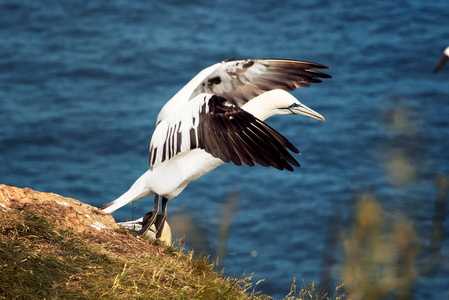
column 264, row 105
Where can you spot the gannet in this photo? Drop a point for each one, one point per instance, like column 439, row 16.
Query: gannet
column 218, row 117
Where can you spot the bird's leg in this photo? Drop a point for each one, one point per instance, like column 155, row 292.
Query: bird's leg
column 150, row 217
column 160, row 220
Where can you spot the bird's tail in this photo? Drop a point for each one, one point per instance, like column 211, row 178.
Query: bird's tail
column 137, row 191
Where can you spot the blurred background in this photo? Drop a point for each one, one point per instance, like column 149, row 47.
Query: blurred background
column 82, row 82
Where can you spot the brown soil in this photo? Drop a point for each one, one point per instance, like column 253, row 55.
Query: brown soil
column 69, row 213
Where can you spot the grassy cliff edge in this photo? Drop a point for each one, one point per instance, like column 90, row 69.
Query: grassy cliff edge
column 56, row 247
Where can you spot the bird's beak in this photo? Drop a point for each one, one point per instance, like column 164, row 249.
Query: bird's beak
column 301, row 109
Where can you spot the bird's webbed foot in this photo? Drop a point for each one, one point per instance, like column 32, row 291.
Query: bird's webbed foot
column 157, row 219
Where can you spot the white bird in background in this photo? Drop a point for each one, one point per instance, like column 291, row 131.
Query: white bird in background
column 218, row 117
column 442, row 60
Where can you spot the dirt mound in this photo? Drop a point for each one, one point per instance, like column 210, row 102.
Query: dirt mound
column 69, row 213
column 53, row 247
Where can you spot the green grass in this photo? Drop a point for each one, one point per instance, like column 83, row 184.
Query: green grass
column 39, row 260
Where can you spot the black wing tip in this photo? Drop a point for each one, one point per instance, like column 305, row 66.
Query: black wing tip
column 307, row 66
column 289, row 165
column 296, row 61
column 441, row 63
column 317, row 75
column 321, row 74
column 318, row 65
column 300, row 64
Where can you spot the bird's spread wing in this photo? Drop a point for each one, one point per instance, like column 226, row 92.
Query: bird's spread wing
column 242, row 80
column 224, row 130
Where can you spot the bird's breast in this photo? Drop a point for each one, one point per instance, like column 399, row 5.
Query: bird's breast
column 170, row 178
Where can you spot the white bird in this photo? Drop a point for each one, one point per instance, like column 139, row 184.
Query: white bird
column 442, row 60
column 218, row 117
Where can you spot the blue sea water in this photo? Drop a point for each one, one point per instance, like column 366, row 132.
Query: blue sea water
column 81, row 84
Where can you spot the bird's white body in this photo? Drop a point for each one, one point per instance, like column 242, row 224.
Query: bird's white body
column 446, row 51
column 171, row 177
column 178, row 154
